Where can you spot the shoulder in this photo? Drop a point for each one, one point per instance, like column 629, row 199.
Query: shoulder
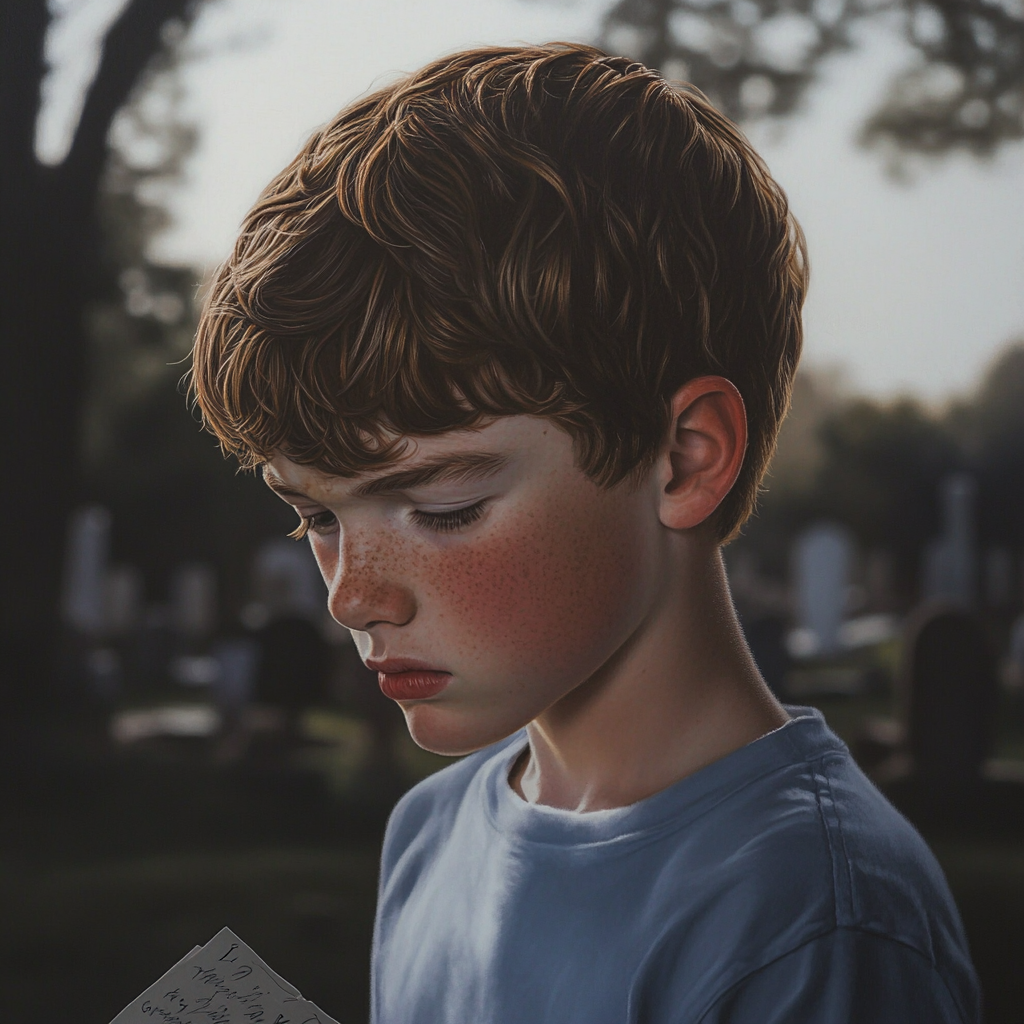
column 822, row 809
column 884, row 878
column 845, row 977
column 887, row 880
column 429, row 809
column 801, row 854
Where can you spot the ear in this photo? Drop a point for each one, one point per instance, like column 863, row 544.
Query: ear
column 703, row 451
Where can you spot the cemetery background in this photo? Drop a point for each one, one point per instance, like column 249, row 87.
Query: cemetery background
column 166, row 777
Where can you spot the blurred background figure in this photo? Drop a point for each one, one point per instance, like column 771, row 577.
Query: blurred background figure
column 187, row 741
column 285, row 614
column 84, row 605
column 237, row 660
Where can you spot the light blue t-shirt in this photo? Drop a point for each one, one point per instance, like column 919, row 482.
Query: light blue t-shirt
column 777, row 884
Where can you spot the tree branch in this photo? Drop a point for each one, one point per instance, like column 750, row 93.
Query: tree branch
column 132, row 42
column 23, row 25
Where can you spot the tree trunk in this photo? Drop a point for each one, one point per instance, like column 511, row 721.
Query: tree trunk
column 47, row 275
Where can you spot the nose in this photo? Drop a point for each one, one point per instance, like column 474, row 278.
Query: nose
column 365, row 589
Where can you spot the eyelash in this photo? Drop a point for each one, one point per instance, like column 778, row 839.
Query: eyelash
column 440, row 522
column 448, row 522
column 312, row 523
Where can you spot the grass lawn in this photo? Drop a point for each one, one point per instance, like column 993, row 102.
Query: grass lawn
column 78, row 942
column 112, row 867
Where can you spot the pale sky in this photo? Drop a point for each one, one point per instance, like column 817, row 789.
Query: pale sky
column 915, row 286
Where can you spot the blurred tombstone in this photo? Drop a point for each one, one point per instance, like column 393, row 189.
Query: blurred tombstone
column 998, row 578
column 194, row 600
column 104, row 668
column 155, row 645
column 84, row 599
column 286, row 581
column 123, row 599
column 950, row 698
column 196, row 670
column 878, row 581
column 950, row 572
column 821, row 563
column 238, row 662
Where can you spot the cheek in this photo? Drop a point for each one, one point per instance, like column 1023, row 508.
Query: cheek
column 554, row 589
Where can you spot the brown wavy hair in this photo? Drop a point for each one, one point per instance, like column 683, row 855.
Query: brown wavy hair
column 544, row 230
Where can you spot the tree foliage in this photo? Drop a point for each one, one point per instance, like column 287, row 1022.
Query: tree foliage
column 173, row 497
column 965, row 89
column 877, row 467
column 990, row 430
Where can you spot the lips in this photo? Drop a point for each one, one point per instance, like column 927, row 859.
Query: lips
column 409, row 680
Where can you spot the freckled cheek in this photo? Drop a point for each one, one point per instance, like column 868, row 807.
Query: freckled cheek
column 550, row 593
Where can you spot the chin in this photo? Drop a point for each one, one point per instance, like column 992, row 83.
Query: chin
column 443, row 730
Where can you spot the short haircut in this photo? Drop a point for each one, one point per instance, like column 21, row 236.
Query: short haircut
column 511, row 230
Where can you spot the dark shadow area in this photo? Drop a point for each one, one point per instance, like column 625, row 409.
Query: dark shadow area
column 116, row 860
column 115, row 864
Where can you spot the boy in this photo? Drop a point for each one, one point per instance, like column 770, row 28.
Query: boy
column 514, row 336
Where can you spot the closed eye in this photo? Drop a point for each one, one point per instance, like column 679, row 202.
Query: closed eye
column 449, row 521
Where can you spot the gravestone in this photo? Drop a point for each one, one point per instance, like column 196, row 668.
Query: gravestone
column 84, row 597
column 951, row 690
column 194, row 600
column 878, row 581
column 124, row 592
column 951, row 561
column 233, row 687
column 287, row 581
column 998, row 577
column 821, row 568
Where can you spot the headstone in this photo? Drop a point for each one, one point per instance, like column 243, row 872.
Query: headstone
column 951, row 693
column 83, row 601
column 194, row 600
column 123, row 599
column 238, row 660
column 821, row 564
column 878, row 581
column 287, row 581
column 155, row 645
column 998, row 578
column 951, row 560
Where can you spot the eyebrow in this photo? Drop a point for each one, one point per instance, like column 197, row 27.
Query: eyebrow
column 278, row 486
column 442, row 468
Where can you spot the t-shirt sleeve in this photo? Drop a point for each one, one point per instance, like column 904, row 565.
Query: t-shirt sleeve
column 844, row 977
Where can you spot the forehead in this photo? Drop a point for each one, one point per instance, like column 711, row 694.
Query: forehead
column 449, row 456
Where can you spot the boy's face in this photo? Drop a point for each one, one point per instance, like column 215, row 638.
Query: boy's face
column 484, row 575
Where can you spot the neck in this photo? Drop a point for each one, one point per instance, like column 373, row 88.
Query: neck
column 682, row 692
